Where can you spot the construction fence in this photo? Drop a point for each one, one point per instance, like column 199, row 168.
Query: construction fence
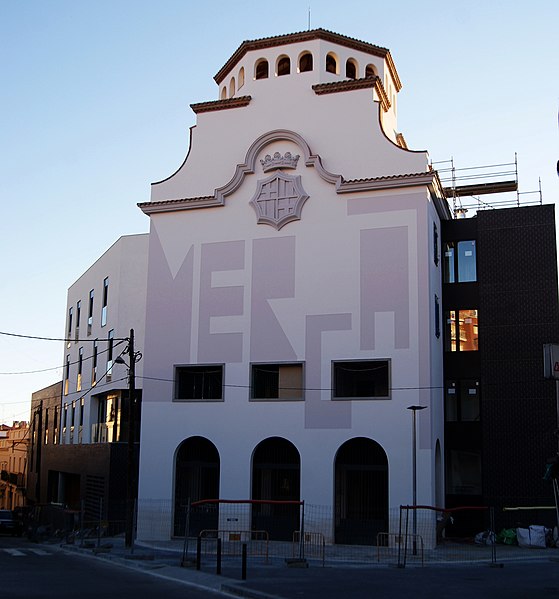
column 409, row 535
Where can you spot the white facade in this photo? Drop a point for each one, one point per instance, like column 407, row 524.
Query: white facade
column 103, row 305
column 326, row 261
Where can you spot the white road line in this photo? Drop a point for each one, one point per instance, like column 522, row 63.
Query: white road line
column 14, row 552
column 38, row 552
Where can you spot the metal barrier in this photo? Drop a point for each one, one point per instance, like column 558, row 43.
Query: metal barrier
column 257, row 542
column 314, row 545
column 392, row 548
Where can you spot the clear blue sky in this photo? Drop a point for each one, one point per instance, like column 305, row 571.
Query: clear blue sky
column 94, row 106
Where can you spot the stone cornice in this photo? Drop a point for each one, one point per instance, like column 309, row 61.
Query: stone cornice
column 221, row 104
column 305, row 36
column 429, row 179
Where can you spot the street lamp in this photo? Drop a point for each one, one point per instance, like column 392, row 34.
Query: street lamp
column 414, row 409
column 133, row 357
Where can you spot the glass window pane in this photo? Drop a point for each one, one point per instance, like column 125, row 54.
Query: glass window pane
column 450, row 331
column 451, row 403
column 469, row 401
column 468, row 327
column 448, row 263
column 467, row 261
column 361, row 379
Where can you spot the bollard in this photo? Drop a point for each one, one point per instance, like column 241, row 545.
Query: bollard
column 244, row 563
column 218, row 565
column 198, row 552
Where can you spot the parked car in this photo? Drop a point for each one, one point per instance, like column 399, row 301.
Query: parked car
column 8, row 524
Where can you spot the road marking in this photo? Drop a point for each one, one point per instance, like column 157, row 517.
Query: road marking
column 14, row 552
column 39, row 552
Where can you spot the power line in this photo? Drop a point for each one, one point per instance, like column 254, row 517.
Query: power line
column 58, row 338
column 103, row 351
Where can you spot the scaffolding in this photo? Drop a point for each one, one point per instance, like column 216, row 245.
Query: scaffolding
column 463, row 187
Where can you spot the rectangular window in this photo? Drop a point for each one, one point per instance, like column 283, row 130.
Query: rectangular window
column 199, row 382
column 80, row 366
column 73, row 414
column 94, row 364
column 437, row 317
column 435, row 244
column 55, row 427
column 82, row 405
column 105, row 302
column 462, row 401
column 277, row 381
column 67, row 375
column 448, row 263
column 461, row 330
column 65, row 417
column 46, row 426
column 90, row 312
column 460, row 262
column 466, row 261
column 78, row 318
column 70, row 318
column 110, row 348
column 463, row 472
column 363, row 379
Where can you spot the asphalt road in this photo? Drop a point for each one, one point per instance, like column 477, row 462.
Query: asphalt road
column 32, row 571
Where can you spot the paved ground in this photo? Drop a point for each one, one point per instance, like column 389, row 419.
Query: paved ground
column 523, row 573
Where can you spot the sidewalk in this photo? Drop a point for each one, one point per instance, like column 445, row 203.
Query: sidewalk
column 526, row 573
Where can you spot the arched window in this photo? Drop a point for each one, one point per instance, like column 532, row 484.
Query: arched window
column 232, row 87
column 241, row 77
column 261, row 70
column 370, row 71
column 284, row 66
column 351, row 69
column 305, row 62
column 223, row 93
column 331, row 63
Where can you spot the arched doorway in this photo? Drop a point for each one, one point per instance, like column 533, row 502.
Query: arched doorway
column 276, row 467
column 361, row 492
column 196, row 478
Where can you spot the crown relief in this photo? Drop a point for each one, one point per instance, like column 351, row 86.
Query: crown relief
column 276, row 161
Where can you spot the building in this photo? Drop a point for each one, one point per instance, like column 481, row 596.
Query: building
column 500, row 307
column 80, row 426
column 294, row 301
column 13, row 464
column 45, row 429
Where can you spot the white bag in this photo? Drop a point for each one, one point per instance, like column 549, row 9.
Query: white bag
column 534, row 536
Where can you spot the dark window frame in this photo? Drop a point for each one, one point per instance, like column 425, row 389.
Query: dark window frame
column 271, row 390
column 193, row 382
column 341, row 379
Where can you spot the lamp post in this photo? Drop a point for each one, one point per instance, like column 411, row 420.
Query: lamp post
column 133, row 356
column 414, row 409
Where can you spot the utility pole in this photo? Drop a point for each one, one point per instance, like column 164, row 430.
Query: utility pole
column 131, row 457
column 39, row 417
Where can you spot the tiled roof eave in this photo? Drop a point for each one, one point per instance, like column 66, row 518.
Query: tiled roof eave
column 303, row 36
column 387, row 182
column 221, row 104
column 342, row 186
column 335, row 87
